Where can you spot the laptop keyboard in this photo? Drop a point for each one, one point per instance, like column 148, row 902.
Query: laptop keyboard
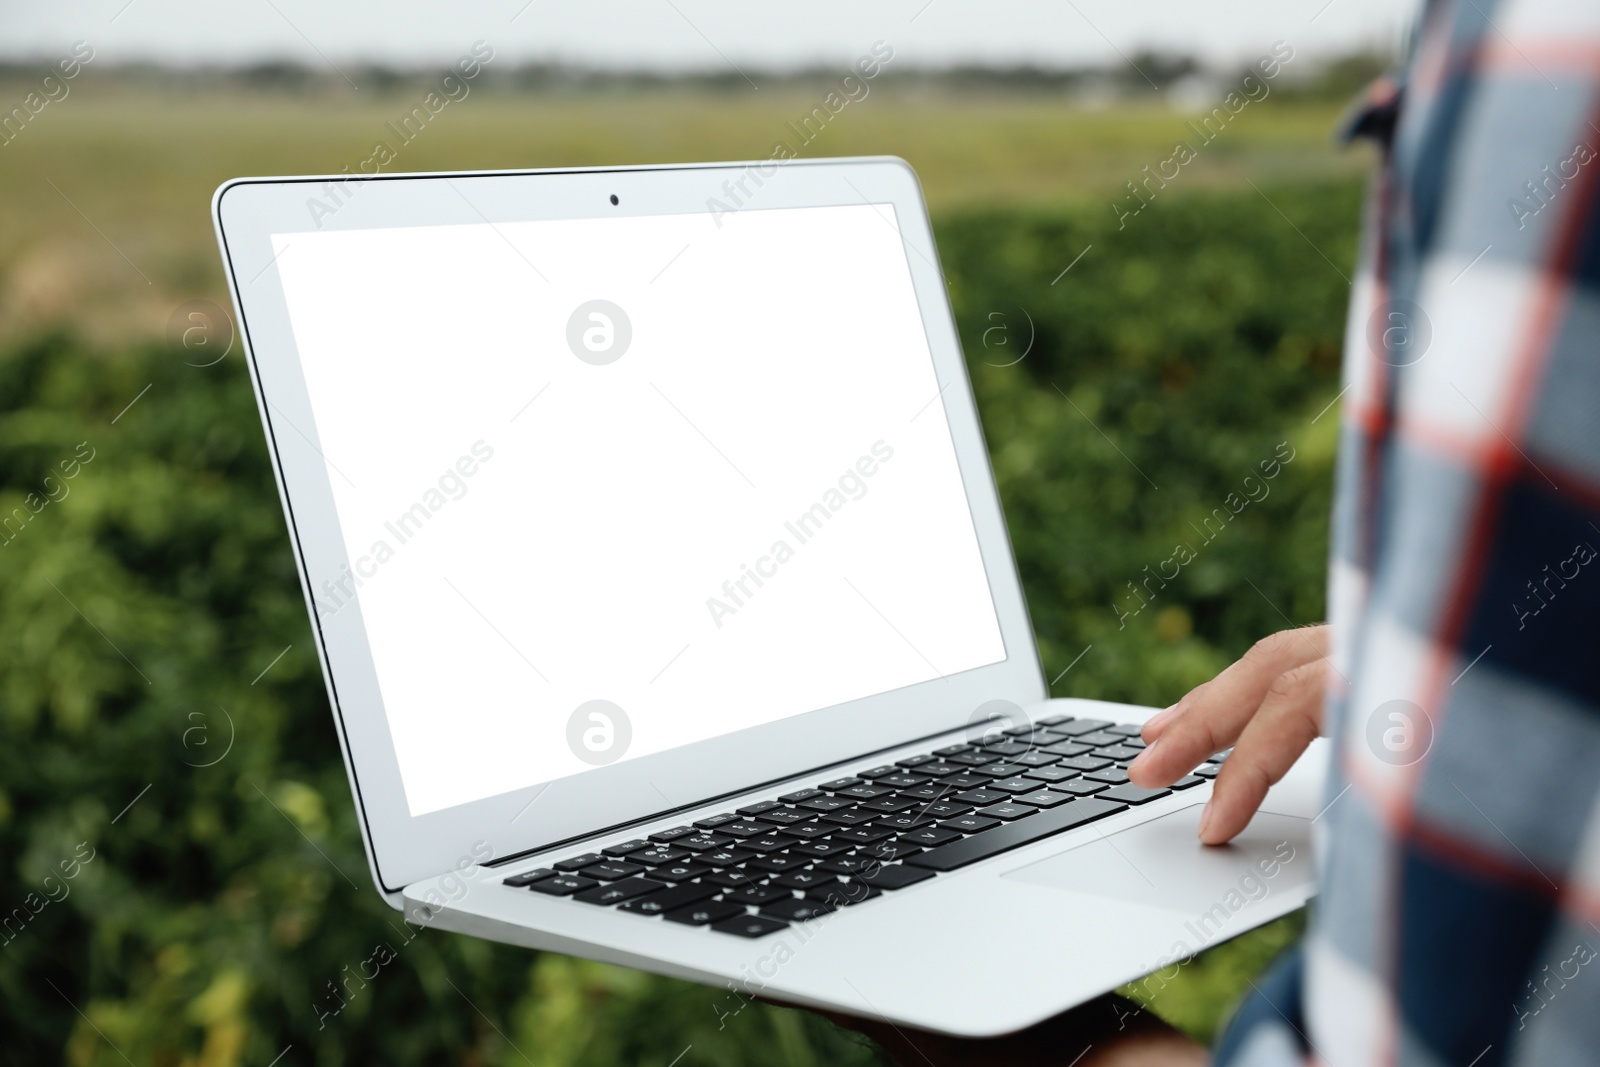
column 755, row 870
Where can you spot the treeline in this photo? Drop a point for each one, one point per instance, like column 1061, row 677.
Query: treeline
column 1148, row 74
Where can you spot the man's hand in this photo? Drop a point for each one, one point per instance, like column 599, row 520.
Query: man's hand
column 1268, row 706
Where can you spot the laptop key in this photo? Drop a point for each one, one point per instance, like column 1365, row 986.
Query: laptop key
column 895, row 876
column 1096, row 738
column 970, row 824
column 1110, row 776
column 526, row 878
column 966, row 781
column 668, row 899
column 725, row 857
column 982, row 796
column 758, row 807
column 732, row 878
column 804, row 879
column 1014, row 784
column 825, row 803
column 778, row 864
column 800, row 794
column 1188, row 781
column 865, row 791
column 704, row 913
column 890, row 805
column 809, row 831
column 1117, row 753
column 850, row 864
column 862, row 835
column 972, row 759
column 1085, row 763
column 1008, row 811
column 1126, row 729
column 661, row 837
column 756, row 894
column 624, row 847
column 913, row 761
column 1054, row 720
column 744, row 828
column 1042, row 798
column 612, row 870
column 749, row 926
column 1014, row 835
column 854, row 863
column 576, row 862
column 1051, row 774
column 716, row 820
column 704, row 842
column 818, row 849
column 952, row 750
column 657, row 854
column 1132, row 794
column 1082, row 726
column 1007, row 747
column 770, row 843
column 1080, row 788
column 850, row 817
column 930, row 837
column 947, row 809
column 1036, row 759
column 680, row 872
column 781, row 816
column 839, row 783
column 563, row 885
column 901, row 780
column 939, row 770
column 1207, row 770
column 620, row 891
column 1068, row 748
column 930, row 791
column 906, row 820
column 878, row 772
column 793, row 910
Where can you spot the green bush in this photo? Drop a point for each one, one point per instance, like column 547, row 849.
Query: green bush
column 162, row 711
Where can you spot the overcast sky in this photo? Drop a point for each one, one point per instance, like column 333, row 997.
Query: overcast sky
column 691, row 34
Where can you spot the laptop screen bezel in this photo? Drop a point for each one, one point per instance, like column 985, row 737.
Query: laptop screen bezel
column 403, row 848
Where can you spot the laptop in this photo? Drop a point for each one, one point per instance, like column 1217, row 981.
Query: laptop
column 666, row 607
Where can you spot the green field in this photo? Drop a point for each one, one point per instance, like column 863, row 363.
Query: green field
column 1178, row 354
column 108, row 192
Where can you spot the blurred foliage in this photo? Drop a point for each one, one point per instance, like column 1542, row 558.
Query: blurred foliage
column 161, row 701
column 1165, row 366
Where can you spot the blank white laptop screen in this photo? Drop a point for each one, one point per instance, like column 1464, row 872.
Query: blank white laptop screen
column 612, row 486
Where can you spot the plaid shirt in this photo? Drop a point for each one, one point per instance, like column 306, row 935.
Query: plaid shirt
column 1459, row 915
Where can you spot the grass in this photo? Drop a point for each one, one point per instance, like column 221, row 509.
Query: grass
column 110, row 189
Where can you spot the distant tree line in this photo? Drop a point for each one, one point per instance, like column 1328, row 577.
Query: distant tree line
column 1147, row 74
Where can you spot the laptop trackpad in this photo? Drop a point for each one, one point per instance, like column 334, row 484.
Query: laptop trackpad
column 1162, row 864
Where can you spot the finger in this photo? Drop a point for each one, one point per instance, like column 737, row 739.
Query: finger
column 1289, row 720
column 1220, row 710
column 1155, row 725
